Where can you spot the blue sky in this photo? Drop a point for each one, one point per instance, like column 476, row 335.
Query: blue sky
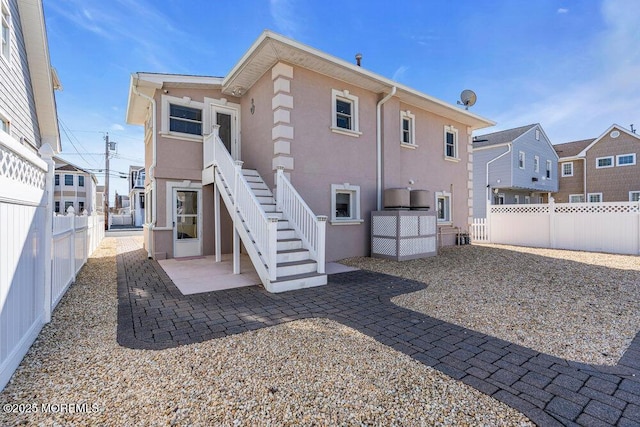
column 571, row 65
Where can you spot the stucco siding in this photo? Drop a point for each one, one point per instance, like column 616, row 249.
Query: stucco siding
column 16, row 93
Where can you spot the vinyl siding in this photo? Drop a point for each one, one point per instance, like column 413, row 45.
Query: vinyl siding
column 522, row 178
column 498, row 170
column 16, row 93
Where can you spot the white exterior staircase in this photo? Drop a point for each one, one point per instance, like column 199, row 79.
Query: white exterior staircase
column 283, row 238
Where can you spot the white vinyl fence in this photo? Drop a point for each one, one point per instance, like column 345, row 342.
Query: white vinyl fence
column 612, row 227
column 29, row 287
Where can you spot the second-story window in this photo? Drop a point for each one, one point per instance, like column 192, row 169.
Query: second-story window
column 345, row 112
column 5, row 35
column 536, row 164
column 80, row 181
column 549, row 164
column 567, row 169
column 407, row 128
column 185, row 119
column 521, row 159
column 450, row 142
column 68, row 180
column 57, row 179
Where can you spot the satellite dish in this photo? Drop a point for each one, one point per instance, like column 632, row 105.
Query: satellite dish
column 467, row 98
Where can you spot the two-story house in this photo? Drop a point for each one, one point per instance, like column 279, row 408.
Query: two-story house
column 514, row 166
column 312, row 139
column 136, row 194
column 604, row 169
column 73, row 186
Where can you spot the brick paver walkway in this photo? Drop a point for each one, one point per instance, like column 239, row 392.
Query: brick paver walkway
column 153, row 314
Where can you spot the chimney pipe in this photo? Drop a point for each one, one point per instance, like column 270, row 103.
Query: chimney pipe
column 358, row 59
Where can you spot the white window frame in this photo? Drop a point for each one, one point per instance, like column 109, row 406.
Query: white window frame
column 537, row 134
column 6, row 122
column 527, row 200
column 573, row 197
column 354, row 192
column 634, row 195
column 598, row 195
column 68, row 203
column 633, row 156
column 536, row 163
column 456, row 154
column 522, row 158
column 167, row 100
column 345, row 95
column 564, row 173
column 549, row 168
column 411, row 118
column 5, row 34
column 605, row 158
column 500, row 199
column 447, row 217
column 516, row 199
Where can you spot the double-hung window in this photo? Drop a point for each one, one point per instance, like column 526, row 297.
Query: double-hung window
column 536, row 164
column 604, row 162
column 67, row 205
column 626, row 159
column 576, row 198
column 407, row 129
column 594, row 197
column 57, row 179
column 56, row 207
column 549, row 165
column 68, row 180
column 443, row 205
column 521, row 159
column 345, row 204
column 567, row 169
column 80, row 181
column 80, row 207
column 634, row 196
column 450, row 142
column 185, row 119
column 344, row 112
column 5, row 35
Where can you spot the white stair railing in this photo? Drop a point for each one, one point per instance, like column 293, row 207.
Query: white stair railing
column 249, row 218
column 310, row 228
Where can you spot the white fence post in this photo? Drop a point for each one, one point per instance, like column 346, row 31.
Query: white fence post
column 552, row 223
column 236, row 219
column 72, row 242
column 279, row 188
column 46, row 153
column 322, row 230
column 273, row 247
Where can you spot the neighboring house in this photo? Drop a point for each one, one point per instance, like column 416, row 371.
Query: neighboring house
column 73, row 186
column 339, row 133
column 604, row 169
column 29, row 137
column 514, row 166
column 136, row 194
column 122, row 204
column 100, row 207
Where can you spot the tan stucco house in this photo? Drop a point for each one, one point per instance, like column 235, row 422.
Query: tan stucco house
column 602, row 169
column 315, row 139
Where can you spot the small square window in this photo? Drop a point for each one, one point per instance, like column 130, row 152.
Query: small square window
column 345, row 204
column 567, row 169
column 80, row 181
column 634, row 196
column 185, row 119
column 604, row 162
column 594, row 197
column 68, row 180
column 626, row 159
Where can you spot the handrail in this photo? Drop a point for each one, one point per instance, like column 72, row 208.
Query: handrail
column 311, row 228
column 261, row 228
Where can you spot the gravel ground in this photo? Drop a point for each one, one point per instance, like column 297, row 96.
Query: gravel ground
column 309, row 372
column 581, row 306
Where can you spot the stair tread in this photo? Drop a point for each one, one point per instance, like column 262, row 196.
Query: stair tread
column 290, row 240
column 292, row 251
column 297, row 276
column 292, row 263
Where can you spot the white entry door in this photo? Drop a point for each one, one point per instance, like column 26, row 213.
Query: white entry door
column 187, row 222
column 227, row 118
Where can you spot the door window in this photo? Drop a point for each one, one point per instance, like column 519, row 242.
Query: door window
column 224, row 121
column 187, row 215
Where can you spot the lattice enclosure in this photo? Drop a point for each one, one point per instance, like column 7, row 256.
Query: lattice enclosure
column 625, row 207
column 18, row 169
column 408, row 226
column 384, row 246
column 417, row 246
column 427, row 225
column 520, row 209
column 385, row 226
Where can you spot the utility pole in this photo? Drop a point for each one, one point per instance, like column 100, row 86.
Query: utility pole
column 106, row 182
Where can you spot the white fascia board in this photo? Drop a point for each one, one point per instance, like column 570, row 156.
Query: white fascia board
column 487, row 147
column 480, row 122
column 583, row 153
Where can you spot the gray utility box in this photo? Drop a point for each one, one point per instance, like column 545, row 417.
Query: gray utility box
column 403, row 235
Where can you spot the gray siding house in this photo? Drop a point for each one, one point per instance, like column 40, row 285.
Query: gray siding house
column 514, row 166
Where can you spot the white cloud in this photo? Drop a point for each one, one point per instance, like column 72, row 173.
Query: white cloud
column 399, row 73
column 562, row 10
column 285, row 18
column 117, row 127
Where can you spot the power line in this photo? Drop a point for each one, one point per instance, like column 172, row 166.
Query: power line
column 67, row 132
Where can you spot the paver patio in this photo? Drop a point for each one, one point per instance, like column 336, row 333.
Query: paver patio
column 153, row 314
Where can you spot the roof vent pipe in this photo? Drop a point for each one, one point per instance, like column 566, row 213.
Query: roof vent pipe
column 358, row 59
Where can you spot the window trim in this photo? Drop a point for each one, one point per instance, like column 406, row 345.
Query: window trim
column 522, row 159
column 527, row 200
column 354, row 190
column 56, row 206
column 6, row 120
column 580, row 196
column 411, row 118
column 536, row 163
column 167, row 100
column 65, row 180
column 5, row 17
column 631, row 193
column 516, row 199
column 603, row 158
column 345, row 95
column 80, row 180
column 549, row 168
column 456, row 153
column 562, row 165
column 594, row 194
column 537, row 134
column 56, row 179
column 68, row 203
column 448, row 219
column 633, row 155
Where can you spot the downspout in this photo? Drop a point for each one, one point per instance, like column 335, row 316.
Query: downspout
column 152, row 167
column 584, row 179
column 487, row 173
column 379, row 146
